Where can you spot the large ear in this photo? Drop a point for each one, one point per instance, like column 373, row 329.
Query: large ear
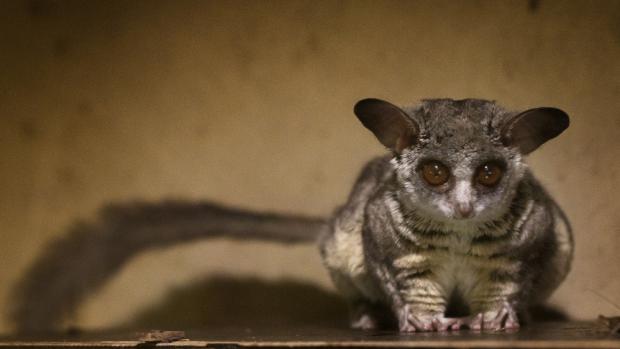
column 390, row 124
column 530, row 129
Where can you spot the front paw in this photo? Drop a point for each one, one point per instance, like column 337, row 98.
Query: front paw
column 411, row 321
column 504, row 317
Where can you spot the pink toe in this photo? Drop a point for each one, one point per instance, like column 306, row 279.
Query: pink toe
column 512, row 325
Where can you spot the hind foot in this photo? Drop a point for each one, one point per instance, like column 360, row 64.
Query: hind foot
column 364, row 317
column 504, row 318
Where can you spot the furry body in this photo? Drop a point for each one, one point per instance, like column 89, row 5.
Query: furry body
column 400, row 259
column 461, row 252
column 401, row 242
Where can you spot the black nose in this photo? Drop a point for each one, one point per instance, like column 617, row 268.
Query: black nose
column 465, row 209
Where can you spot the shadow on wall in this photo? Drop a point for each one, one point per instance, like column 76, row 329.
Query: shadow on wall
column 222, row 301
column 77, row 264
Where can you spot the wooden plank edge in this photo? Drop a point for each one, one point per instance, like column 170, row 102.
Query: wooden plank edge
column 569, row 344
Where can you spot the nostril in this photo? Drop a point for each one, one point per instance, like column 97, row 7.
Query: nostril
column 465, row 209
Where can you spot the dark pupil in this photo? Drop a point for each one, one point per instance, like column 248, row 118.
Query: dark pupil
column 436, row 172
column 488, row 172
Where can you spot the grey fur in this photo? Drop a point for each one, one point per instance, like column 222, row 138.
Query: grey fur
column 398, row 241
column 396, row 244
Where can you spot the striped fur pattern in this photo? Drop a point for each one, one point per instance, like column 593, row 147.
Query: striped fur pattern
column 400, row 243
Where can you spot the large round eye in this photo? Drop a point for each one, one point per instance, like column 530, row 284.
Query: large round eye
column 489, row 174
column 435, row 173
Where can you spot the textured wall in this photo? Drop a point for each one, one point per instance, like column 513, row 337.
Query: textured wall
column 249, row 103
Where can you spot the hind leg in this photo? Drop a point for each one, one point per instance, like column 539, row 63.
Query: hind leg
column 364, row 314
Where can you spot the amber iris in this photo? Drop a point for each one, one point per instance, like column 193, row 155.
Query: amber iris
column 435, row 173
column 489, row 174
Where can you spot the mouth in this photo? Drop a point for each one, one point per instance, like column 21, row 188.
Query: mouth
column 458, row 217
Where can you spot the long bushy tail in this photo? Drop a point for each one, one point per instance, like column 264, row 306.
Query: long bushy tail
column 78, row 263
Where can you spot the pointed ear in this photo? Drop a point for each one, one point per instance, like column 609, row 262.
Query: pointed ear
column 530, row 129
column 390, row 124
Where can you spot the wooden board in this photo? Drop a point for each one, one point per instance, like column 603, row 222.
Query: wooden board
column 548, row 335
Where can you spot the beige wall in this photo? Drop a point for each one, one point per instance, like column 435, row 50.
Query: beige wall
column 249, row 103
